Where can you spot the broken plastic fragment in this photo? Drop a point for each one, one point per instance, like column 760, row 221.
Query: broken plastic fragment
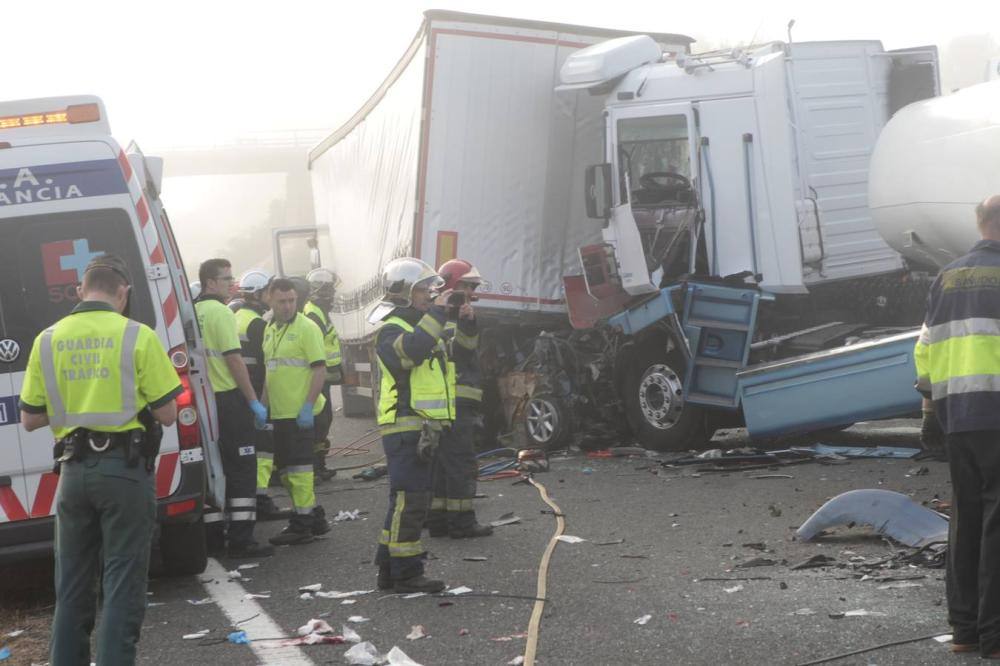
column 262, row 595
column 460, row 590
column 357, row 619
column 244, row 567
column 516, row 661
column 306, row 596
column 5, row 653
column 314, row 626
column 506, row 519
column 347, row 515
column 730, row 590
column 414, row 595
column 200, row 602
column 350, row 635
column 196, row 635
column 890, row 513
column 397, row 657
column 315, row 587
column 234, row 574
column 642, row 620
column 363, row 654
column 943, row 638
column 342, row 595
column 819, row 560
column 348, row 602
column 416, row 632
column 15, row 633
column 566, row 538
column 238, row 638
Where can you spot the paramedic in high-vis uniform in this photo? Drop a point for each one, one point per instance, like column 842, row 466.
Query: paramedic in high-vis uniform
column 105, row 386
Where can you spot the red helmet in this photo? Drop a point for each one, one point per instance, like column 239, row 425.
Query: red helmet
column 458, row 270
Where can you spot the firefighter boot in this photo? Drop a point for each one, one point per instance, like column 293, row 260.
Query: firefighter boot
column 419, row 583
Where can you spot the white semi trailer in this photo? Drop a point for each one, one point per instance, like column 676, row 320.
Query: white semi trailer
column 716, row 205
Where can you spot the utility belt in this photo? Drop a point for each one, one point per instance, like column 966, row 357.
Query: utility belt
column 82, row 443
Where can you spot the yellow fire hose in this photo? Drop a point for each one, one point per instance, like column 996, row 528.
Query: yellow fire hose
column 531, row 645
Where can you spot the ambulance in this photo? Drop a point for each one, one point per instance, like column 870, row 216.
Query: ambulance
column 69, row 193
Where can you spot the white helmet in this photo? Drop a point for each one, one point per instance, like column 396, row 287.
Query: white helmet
column 322, row 282
column 195, row 288
column 399, row 278
column 254, row 281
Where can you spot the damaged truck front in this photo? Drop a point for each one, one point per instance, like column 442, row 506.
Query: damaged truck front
column 716, row 205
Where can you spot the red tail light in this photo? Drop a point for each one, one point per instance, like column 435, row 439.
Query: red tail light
column 188, row 431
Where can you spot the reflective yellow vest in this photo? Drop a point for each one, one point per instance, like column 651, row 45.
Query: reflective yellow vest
column 96, row 369
column 331, row 341
column 432, row 390
column 218, row 332
column 289, row 352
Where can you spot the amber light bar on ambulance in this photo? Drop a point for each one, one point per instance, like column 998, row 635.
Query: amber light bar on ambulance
column 77, row 113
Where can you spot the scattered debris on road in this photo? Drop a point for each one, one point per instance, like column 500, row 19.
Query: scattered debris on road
column 416, row 632
column 566, row 538
column 642, row 620
column 890, row 513
column 196, row 635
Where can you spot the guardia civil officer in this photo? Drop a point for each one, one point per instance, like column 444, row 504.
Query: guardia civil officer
column 416, row 402
column 105, row 386
column 250, row 325
column 455, row 467
column 322, row 289
column 296, row 369
column 237, row 405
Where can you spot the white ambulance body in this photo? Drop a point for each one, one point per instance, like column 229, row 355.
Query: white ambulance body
column 69, row 193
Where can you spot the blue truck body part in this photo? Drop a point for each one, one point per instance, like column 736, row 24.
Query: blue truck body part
column 866, row 381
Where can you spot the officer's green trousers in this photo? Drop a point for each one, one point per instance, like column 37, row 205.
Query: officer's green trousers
column 105, row 514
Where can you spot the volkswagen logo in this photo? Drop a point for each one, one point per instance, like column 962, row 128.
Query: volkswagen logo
column 9, row 350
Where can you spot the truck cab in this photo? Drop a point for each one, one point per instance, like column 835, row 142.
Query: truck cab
column 735, row 198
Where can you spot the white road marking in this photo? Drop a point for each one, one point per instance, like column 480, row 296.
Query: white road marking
column 229, row 596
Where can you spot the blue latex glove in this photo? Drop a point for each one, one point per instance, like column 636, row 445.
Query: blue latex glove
column 305, row 418
column 259, row 414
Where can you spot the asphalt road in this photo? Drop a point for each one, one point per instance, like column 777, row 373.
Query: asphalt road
column 675, row 527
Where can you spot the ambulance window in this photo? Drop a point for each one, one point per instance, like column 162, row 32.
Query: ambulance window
column 42, row 259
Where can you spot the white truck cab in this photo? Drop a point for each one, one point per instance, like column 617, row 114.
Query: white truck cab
column 69, row 193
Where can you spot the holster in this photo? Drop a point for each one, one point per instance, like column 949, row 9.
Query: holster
column 149, row 444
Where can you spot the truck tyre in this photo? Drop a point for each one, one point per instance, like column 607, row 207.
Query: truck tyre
column 183, row 549
column 655, row 407
column 546, row 422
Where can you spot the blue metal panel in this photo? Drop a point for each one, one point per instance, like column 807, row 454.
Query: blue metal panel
column 870, row 380
column 645, row 314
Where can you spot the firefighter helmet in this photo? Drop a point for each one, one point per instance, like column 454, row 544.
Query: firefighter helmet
column 459, row 270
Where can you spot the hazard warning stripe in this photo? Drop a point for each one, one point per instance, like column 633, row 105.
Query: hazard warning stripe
column 45, row 495
column 11, row 505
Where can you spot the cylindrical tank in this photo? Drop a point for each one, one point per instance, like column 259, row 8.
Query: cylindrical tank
column 934, row 161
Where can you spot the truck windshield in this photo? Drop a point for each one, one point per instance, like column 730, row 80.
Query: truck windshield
column 654, row 151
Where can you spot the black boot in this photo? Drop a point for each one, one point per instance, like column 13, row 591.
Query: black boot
column 249, row 549
column 419, row 583
column 320, row 469
column 319, row 524
column 384, row 579
column 474, row 530
column 268, row 510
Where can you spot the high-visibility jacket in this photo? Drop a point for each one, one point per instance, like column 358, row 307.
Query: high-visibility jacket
column 958, row 352
column 250, row 327
column 95, row 369
column 417, row 377
column 331, row 341
column 291, row 351
column 464, row 349
column 218, row 334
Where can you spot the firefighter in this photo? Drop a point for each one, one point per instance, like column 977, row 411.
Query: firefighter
column 296, row 369
column 455, row 467
column 238, row 406
column 250, row 327
column 322, row 288
column 416, row 401
column 106, row 408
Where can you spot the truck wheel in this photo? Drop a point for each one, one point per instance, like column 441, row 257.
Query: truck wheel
column 183, row 549
column 655, row 407
column 546, row 422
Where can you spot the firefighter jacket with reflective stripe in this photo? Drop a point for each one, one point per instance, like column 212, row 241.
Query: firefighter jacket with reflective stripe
column 291, row 351
column 250, row 327
column 218, row 333
column 958, row 352
column 96, row 369
column 331, row 341
column 417, row 377
column 464, row 345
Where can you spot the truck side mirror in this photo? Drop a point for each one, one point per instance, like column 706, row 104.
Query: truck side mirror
column 598, row 191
